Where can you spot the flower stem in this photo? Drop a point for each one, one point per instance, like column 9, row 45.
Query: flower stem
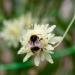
column 70, row 24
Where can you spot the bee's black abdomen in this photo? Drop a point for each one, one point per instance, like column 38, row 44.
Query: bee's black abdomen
column 34, row 49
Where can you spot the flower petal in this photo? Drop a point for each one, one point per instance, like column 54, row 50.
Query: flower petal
column 49, row 58
column 42, row 57
column 56, row 39
column 49, row 47
column 51, row 28
column 27, row 56
column 22, row 50
column 37, row 60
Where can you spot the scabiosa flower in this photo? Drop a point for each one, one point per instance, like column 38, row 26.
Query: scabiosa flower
column 12, row 30
column 39, row 42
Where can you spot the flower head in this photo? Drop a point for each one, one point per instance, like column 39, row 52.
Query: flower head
column 12, row 31
column 13, row 28
column 39, row 42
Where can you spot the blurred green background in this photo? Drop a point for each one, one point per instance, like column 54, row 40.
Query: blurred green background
column 59, row 12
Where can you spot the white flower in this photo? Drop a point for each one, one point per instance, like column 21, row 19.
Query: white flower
column 13, row 28
column 28, row 20
column 39, row 42
column 12, row 31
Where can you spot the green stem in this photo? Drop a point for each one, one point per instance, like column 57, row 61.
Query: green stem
column 69, row 26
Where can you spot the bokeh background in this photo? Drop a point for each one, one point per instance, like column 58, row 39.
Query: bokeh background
column 59, row 12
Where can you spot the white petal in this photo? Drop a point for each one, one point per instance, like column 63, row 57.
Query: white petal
column 51, row 28
column 37, row 60
column 6, row 23
column 27, row 57
column 42, row 57
column 50, row 52
column 49, row 47
column 50, row 36
column 22, row 50
column 56, row 39
column 49, row 58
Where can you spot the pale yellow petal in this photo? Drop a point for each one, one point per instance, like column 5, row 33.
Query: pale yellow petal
column 42, row 57
column 28, row 55
column 55, row 39
column 50, row 47
column 37, row 60
column 22, row 50
column 50, row 29
column 49, row 58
